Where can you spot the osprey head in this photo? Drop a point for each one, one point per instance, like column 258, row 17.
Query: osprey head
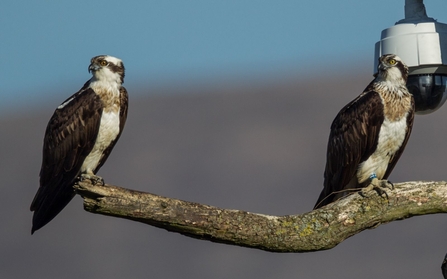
column 105, row 67
column 392, row 68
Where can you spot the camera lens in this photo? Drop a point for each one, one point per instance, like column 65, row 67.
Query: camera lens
column 429, row 91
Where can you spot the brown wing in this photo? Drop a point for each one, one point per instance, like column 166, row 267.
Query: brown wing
column 69, row 138
column 395, row 158
column 124, row 100
column 353, row 138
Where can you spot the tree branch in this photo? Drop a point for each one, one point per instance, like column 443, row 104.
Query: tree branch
column 313, row 231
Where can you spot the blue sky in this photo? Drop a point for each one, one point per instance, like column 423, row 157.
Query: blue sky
column 46, row 45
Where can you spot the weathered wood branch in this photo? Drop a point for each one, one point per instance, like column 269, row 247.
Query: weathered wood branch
column 316, row 230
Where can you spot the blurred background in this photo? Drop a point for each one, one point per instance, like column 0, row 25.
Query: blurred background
column 230, row 105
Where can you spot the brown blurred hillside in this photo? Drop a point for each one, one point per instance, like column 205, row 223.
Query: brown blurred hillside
column 256, row 145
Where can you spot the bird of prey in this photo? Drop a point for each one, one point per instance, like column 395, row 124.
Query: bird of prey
column 80, row 136
column 369, row 134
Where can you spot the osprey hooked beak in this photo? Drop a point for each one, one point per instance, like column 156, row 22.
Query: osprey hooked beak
column 93, row 67
column 380, row 67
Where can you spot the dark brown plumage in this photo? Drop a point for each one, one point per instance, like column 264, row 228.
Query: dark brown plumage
column 72, row 134
column 384, row 110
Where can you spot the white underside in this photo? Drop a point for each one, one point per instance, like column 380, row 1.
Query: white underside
column 108, row 131
column 391, row 137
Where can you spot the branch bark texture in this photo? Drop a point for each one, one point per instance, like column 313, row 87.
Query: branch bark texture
column 313, row 231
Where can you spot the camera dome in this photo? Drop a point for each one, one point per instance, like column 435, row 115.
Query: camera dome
column 429, row 91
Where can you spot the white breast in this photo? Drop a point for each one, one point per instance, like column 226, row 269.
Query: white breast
column 108, row 131
column 391, row 137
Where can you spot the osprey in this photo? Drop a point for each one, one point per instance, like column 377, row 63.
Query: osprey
column 369, row 134
column 80, row 136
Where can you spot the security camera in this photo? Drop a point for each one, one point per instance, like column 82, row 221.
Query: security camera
column 421, row 42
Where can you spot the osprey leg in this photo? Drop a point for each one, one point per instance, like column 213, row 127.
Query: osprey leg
column 380, row 186
column 96, row 180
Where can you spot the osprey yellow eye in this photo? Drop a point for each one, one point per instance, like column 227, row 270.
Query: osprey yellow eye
column 392, row 62
column 103, row 63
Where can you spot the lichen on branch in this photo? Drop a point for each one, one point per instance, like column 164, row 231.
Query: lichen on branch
column 312, row 231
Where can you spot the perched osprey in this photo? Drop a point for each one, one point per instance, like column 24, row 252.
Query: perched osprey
column 369, row 134
column 80, row 136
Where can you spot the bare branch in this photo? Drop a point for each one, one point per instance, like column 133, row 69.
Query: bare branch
column 313, row 231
